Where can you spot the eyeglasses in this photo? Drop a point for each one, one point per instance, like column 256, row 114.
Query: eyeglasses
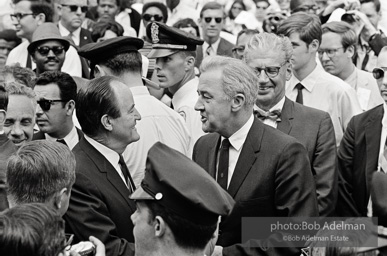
column 148, row 17
column 44, row 50
column 378, row 73
column 330, row 52
column 209, row 19
column 262, row 7
column 271, row 72
column 18, row 16
column 74, row 8
column 45, row 105
column 306, row 8
column 239, row 49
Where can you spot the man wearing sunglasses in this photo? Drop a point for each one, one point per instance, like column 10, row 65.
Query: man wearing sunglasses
column 269, row 55
column 48, row 48
column 337, row 49
column 28, row 16
column 72, row 13
column 55, row 94
column 212, row 19
column 363, row 151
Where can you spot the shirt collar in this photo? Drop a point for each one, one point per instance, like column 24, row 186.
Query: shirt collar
column 139, row 90
column 186, row 89
column 214, row 46
column 69, row 138
column 310, row 81
column 65, row 32
column 108, row 153
column 239, row 137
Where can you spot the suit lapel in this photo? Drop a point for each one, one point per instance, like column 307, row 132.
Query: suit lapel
column 247, row 156
column 213, row 155
column 287, row 115
column 373, row 131
column 104, row 166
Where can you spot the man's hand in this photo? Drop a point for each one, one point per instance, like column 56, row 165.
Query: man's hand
column 345, row 4
column 362, row 21
column 99, row 246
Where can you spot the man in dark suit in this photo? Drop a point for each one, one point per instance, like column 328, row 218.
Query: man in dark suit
column 312, row 127
column 72, row 13
column 56, row 93
column 99, row 203
column 363, row 152
column 212, row 19
column 266, row 171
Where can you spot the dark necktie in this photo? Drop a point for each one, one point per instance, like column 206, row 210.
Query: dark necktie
column 209, row 50
column 223, row 164
column 366, row 57
column 29, row 63
column 125, row 172
column 274, row 115
column 299, row 98
column 62, row 141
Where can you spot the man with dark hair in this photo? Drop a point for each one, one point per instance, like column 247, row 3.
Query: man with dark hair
column 310, row 85
column 243, row 38
column 119, row 57
column 99, row 203
column 175, row 215
column 266, row 171
column 48, row 48
column 72, row 13
column 56, row 93
column 28, row 16
column 8, row 41
column 337, row 49
column 212, row 20
column 41, row 172
column 7, row 148
column 175, row 54
column 20, row 118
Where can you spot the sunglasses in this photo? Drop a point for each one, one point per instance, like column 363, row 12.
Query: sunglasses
column 209, row 19
column 378, row 73
column 74, row 8
column 45, row 105
column 18, row 16
column 44, row 50
column 156, row 17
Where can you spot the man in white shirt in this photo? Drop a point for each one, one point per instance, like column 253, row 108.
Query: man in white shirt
column 363, row 151
column 336, row 52
column 119, row 57
column 310, row 83
column 56, row 94
column 72, row 13
column 27, row 17
column 174, row 51
column 99, row 203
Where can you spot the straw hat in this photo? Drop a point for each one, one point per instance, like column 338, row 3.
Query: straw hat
column 47, row 31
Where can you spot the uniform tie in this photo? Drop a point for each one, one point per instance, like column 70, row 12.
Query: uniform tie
column 223, row 164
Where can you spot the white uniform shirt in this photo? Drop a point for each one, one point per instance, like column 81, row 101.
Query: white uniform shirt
column 328, row 93
column 158, row 123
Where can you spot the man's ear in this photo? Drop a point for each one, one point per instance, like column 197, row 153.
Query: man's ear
column 2, row 116
column 99, row 71
column 40, row 18
column 59, row 198
column 238, row 102
column 288, row 71
column 189, row 63
column 350, row 51
column 70, row 106
column 159, row 226
column 107, row 123
column 314, row 45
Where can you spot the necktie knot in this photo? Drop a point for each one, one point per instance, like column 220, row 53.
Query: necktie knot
column 299, row 86
column 209, row 50
column 226, row 144
column 62, row 141
column 274, row 115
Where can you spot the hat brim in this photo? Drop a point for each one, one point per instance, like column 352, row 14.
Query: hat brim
column 140, row 194
column 33, row 45
column 158, row 53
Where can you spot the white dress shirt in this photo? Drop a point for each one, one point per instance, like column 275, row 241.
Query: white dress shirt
column 214, row 47
column 328, row 93
column 158, row 123
column 277, row 106
column 236, row 143
column 71, row 139
column 72, row 64
column 110, row 155
column 184, row 101
column 76, row 35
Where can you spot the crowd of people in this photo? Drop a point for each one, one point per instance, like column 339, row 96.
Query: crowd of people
column 154, row 128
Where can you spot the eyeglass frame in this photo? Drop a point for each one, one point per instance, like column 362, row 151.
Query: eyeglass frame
column 237, row 49
column 54, row 49
column 50, row 102
column 375, row 70
column 84, row 8
column 332, row 54
column 218, row 20
column 152, row 16
column 19, row 16
column 306, row 8
column 265, row 68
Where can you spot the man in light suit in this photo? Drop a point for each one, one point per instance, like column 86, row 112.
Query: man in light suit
column 212, row 19
column 362, row 152
column 338, row 46
column 266, row 171
column 99, row 203
column 312, row 127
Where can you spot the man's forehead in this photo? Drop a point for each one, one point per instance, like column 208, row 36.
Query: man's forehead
column 50, row 43
column 23, row 6
column 74, row 2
